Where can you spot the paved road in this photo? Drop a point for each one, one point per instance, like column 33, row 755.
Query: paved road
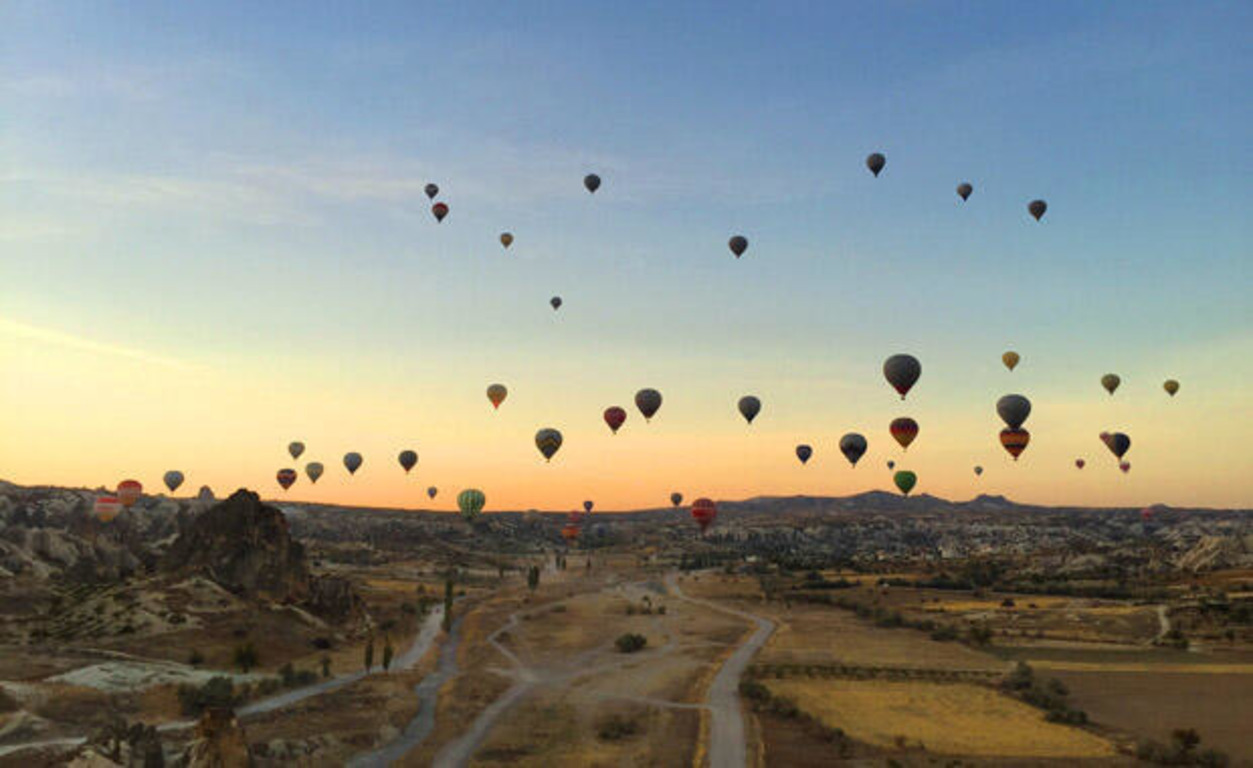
column 727, row 743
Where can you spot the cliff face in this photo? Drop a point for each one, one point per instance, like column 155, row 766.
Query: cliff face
column 244, row 546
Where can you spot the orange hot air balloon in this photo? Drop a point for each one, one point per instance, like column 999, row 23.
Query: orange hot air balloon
column 570, row 532
column 904, row 430
column 129, row 491
column 1015, row 441
column 107, row 507
column 703, row 512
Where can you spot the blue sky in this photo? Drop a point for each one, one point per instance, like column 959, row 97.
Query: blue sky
column 238, row 186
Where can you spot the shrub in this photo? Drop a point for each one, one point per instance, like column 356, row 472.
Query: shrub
column 630, row 643
column 195, row 658
column 217, row 692
column 617, row 727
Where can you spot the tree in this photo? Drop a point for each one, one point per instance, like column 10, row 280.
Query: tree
column 448, row 605
column 532, row 577
column 245, row 657
column 326, row 666
column 387, row 653
column 369, row 654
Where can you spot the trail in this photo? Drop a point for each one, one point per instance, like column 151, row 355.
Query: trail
column 1163, row 621
column 727, row 742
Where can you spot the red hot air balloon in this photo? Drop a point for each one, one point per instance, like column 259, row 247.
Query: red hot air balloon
column 570, row 532
column 440, row 210
column 1125, row 466
column 107, row 507
column 286, row 477
column 1015, row 441
column 129, row 491
column 703, row 512
column 615, row 417
column 1146, row 514
column 904, row 430
column 1080, row 463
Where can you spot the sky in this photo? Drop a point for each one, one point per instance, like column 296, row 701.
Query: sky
column 214, row 241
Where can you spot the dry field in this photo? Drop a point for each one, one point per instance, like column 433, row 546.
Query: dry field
column 954, row 719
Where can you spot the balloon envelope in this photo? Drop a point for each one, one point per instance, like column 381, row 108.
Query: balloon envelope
column 703, row 512
column 1118, row 444
column 506, row 239
column 803, row 452
column 591, row 182
column 555, row 302
column 432, row 491
column 431, row 190
column 1080, row 463
column 978, row 470
column 1125, row 466
column 676, row 498
column 352, row 462
column 408, row 459
column 1013, row 410
column 964, row 189
column 902, row 372
column 615, row 417
column 749, row 407
column 129, row 491
column 1010, row 359
column 905, row 481
column 471, row 502
column 173, row 479
column 1037, row 208
column 649, row 402
column 852, row 445
column 440, row 210
column 548, row 441
column 286, row 477
column 1015, row 441
column 891, row 464
column 1110, row 381
column 588, row 505
column 875, row 163
column 313, row 470
column 904, row 430
column 1171, row 386
column 738, row 245
column 295, row 449
column 496, row 394
column 106, row 507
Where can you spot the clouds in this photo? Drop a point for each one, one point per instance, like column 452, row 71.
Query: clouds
column 34, row 334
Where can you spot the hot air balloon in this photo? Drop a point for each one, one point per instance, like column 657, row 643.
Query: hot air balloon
column 1013, row 410
column 1146, row 514
column 1171, row 386
column 978, row 470
column 853, row 445
column 587, row 506
column 902, row 372
column 432, row 190
column 1125, row 466
column 570, row 532
column 803, row 452
column 1010, row 359
column 1037, row 208
column 496, row 394
column 1080, row 463
column 408, row 459
column 905, row 481
column 1015, row 441
column 555, row 302
column 173, row 479
column 470, row 502
column 548, row 441
column 1110, row 381
column 129, row 491
column 592, row 182
column 649, row 402
column 904, row 430
column 313, row 470
column 738, row 245
column 506, row 239
column 295, row 449
column 439, row 210
column 703, row 512
column 106, row 507
column 1118, row 444
column 964, row 189
column 352, row 461
column 891, row 465
column 875, row 163
column 432, row 491
column 286, row 477
column 749, row 408
column 676, row 498
column 615, row 417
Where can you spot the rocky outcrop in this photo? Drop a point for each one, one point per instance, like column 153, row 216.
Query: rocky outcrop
column 117, row 743
column 219, row 742
column 244, row 546
column 333, row 598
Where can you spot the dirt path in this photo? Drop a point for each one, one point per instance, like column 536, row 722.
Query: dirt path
column 1163, row 621
column 727, row 742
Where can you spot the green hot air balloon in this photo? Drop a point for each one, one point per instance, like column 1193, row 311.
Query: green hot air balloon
column 548, row 441
column 905, row 481
column 749, row 408
column 1013, row 410
column 470, row 502
column 1171, row 386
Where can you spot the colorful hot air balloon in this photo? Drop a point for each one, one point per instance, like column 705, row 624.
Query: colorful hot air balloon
column 1037, row 208
column 439, row 210
column 964, row 189
column 295, row 448
column 1013, row 410
column 588, row 505
column 570, row 532
column 432, row 491
column 891, row 465
column 875, row 163
column 905, row 481
column 408, row 460
column 1010, row 359
column 548, row 441
column 313, row 470
column 738, row 245
column 555, row 302
column 173, row 479
column 1110, row 381
column 703, row 512
column 615, row 417
column 470, row 502
column 496, row 394
column 1118, row 444
column 129, row 491
column 904, row 430
column 1015, row 441
column 852, row 445
column 902, row 372
column 592, row 182
column 676, row 498
column 1080, row 463
column 803, row 452
column 749, row 407
column 106, row 508
column 649, row 402
column 978, row 470
column 506, row 239
column 352, row 462
column 431, row 191
column 286, row 477
column 1125, row 466
column 1171, row 386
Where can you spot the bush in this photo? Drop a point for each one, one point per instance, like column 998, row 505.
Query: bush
column 616, row 727
column 195, row 658
column 630, row 643
column 322, row 643
column 944, row 634
column 755, row 692
column 245, row 657
column 217, row 692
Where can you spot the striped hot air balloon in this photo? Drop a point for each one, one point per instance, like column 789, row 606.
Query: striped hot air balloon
column 904, row 430
column 129, row 491
column 106, row 507
column 1015, row 441
column 471, row 502
column 286, row 477
column 703, row 512
column 548, row 441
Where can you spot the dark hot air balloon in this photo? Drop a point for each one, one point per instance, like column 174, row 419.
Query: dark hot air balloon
column 506, row 239
column 964, row 189
column 286, row 477
column 1171, row 386
column 588, row 505
column 738, row 245
column 1013, row 410
column 431, row 191
column 904, row 430
column 173, row 479
column 902, row 372
column 676, row 498
column 555, row 302
column 1118, row 444
column 875, row 163
column 548, row 441
column 749, row 408
column 432, row 492
column 592, row 182
column 352, row 462
column 313, row 470
column 408, row 460
column 803, row 452
column 1037, row 208
column 1110, row 381
column 496, row 394
column 615, row 417
column 852, row 445
column 649, row 402
column 295, row 449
